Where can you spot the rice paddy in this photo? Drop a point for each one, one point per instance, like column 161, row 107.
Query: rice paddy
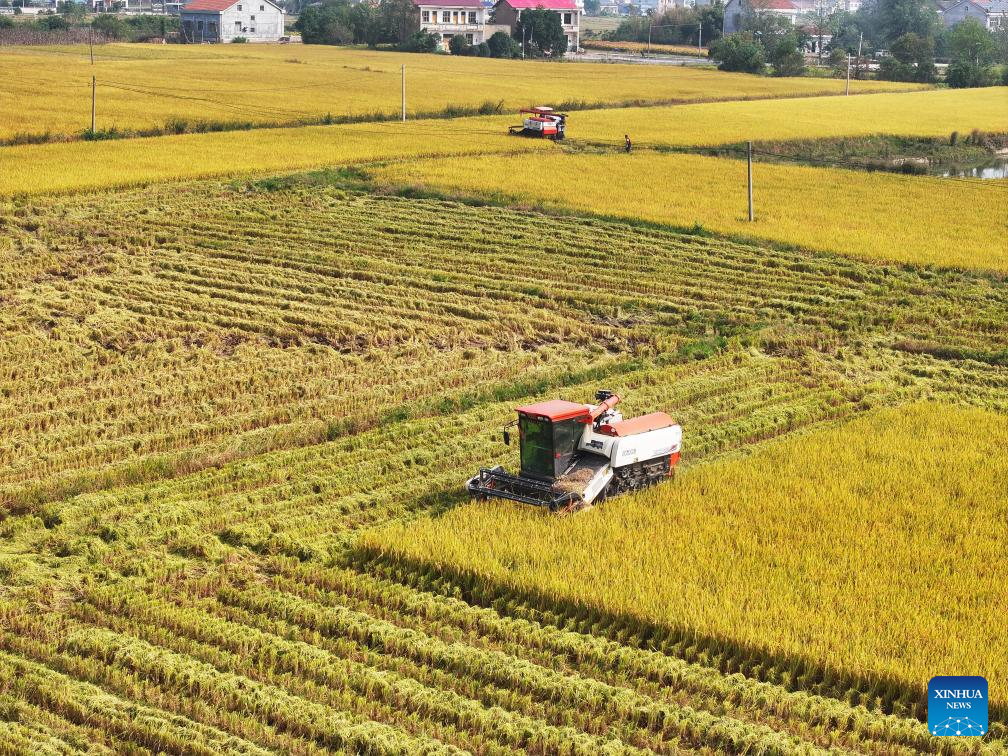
column 245, row 375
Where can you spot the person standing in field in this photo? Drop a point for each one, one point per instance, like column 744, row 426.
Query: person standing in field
column 628, row 145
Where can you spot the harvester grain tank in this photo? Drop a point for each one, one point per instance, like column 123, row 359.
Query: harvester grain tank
column 576, row 455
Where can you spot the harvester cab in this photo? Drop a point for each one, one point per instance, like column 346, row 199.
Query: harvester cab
column 541, row 122
column 576, row 455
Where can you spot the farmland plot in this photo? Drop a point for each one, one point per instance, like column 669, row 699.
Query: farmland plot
column 838, row 529
column 876, row 216
column 168, row 88
column 197, row 428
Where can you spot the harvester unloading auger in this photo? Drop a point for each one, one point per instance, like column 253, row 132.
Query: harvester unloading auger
column 576, row 455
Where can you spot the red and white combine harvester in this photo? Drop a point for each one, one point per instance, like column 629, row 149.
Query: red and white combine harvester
column 575, row 455
column 541, row 122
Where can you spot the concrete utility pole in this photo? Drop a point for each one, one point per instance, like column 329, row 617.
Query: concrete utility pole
column 750, row 181
column 404, row 93
column 93, row 86
column 90, row 37
column 699, row 38
column 847, row 92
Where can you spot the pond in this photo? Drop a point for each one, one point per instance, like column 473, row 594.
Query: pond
column 994, row 168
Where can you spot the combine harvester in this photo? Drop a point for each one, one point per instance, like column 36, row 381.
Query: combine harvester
column 541, row 122
column 576, row 455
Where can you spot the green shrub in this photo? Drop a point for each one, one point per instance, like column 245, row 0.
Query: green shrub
column 738, row 52
column 459, row 45
column 502, row 46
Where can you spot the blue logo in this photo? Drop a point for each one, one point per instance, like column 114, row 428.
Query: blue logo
column 957, row 705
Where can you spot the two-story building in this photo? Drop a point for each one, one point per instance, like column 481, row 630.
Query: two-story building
column 992, row 14
column 450, row 17
column 225, row 20
column 509, row 12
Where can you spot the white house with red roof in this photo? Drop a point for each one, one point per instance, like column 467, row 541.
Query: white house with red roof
column 450, row 17
column 509, row 12
column 735, row 12
column 224, row 20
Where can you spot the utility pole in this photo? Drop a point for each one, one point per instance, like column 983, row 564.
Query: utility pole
column 404, row 93
column 749, row 161
column 90, row 37
column 699, row 39
column 92, row 105
column 523, row 40
column 649, row 37
column 848, row 75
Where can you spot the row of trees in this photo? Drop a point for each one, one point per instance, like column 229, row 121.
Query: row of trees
column 676, row 26
column 395, row 22
column 905, row 35
column 109, row 26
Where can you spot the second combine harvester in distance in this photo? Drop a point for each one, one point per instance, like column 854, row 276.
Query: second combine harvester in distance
column 575, row 455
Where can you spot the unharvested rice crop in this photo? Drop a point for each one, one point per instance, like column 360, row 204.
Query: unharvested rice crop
column 639, row 47
column 926, row 114
column 62, row 167
column 875, row 216
column 28, row 169
column 48, row 90
column 874, row 548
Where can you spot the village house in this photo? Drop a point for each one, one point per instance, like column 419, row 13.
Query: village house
column 451, row 17
column 991, row 14
column 735, row 12
column 225, row 20
column 509, row 12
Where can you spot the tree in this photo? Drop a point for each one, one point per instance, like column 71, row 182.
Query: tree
column 6, row 22
column 767, row 29
column 399, row 17
column 459, row 45
column 968, row 41
column 422, row 41
column 966, row 73
column 821, row 22
column 326, row 24
column 786, row 58
column 52, row 23
column 111, row 27
column 592, row 7
column 71, row 9
column 896, row 18
column 738, row 52
column 544, row 29
column 711, row 18
column 911, row 59
column 502, row 46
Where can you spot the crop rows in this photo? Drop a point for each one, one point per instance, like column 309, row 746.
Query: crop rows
column 196, row 429
column 359, row 324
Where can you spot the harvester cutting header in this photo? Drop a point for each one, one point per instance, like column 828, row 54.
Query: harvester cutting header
column 575, row 455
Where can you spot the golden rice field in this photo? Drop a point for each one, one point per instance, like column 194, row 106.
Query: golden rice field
column 874, row 216
column 237, row 415
column 211, row 394
column 926, row 114
column 31, row 169
column 638, row 47
column 48, row 90
column 64, row 167
column 875, row 547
